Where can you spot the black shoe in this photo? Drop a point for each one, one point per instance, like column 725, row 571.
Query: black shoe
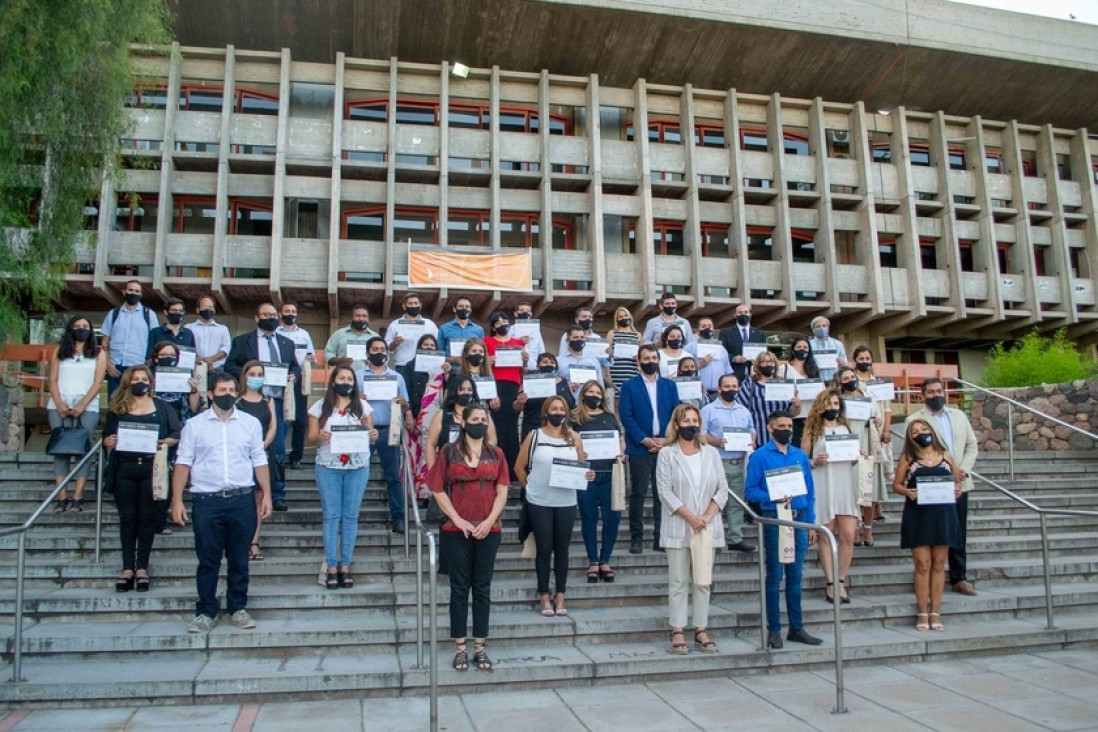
column 741, row 546
column 802, row 636
column 294, row 465
column 774, row 640
column 398, row 527
column 635, row 547
column 280, row 505
column 656, row 545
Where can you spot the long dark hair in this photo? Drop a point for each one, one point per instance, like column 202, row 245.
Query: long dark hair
column 909, row 442
column 154, row 353
column 811, row 370
column 452, row 387
column 463, row 441
column 331, row 399
column 67, row 348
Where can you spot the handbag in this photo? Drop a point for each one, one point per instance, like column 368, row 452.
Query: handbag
column 160, row 479
column 867, row 473
column 69, row 441
column 617, row 487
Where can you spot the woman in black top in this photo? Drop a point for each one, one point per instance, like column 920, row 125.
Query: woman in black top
column 593, row 415
column 254, row 402
column 416, row 381
column 132, row 402
column 531, row 408
column 461, row 391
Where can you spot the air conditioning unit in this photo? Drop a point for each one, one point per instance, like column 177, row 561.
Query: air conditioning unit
column 838, row 137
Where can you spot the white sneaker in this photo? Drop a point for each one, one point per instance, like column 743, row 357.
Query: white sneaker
column 242, row 619
column 201, row 624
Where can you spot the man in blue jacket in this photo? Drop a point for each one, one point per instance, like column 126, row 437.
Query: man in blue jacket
column 645, row 406
column 778, row 453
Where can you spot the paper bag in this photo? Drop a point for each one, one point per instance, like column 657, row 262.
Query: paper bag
column 787, row 543
column 617, row 487
column 289, row 406
column 529, row 548
column 306, row 378
column 701, row 556
column 867, row 473
column 396, row 423
column 160, row 475
column 201, row 375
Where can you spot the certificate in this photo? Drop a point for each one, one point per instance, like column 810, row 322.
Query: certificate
column 377, row 388
column 456, row 347
column 690, row 387
column 430, row 361
column 809, row 389
column 626, row 350
column 935, row 489
column 751, row 351
column 410, row 330
column 673, row 367
column 582, row 374
column 710, row 348
column 486, row 388
column 737, row 439
column 508, row 357
column 349, row 439
column 778, row 390
column 172, row 380
column 356, row 350
column 526, row 328
column 858, row 408
column 301, row 351
column 782, row 482
column 539, row 386
column 882, row 390
column 455, row 433
column 568, row 474
column 275, row 374
column 595, row 348
column 187, row 358
column 826, row 358
column 601, row 445
column 842, row 448
column 137, row 437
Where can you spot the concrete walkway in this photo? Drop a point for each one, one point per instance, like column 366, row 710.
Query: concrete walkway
column 1055, row 690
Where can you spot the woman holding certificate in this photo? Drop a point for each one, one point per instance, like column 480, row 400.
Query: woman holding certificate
column 800, row 366
column 624, row 341
column 253, row 401
column 693, row 492
column 753, row 396
column 341, row 427
column 834, row 447
column 529, row 401
column 551, row 495
column 138, row 425
column 424, row 388
column 864, row 417
column 927, row 476
column 671, row 350
column 863, row 363
column 445, row 428
column 507, row 356
column 174, row 386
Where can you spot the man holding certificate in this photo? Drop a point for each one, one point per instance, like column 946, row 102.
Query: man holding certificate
column 728, row 428
column 742, row 342
column 779, row 475
column 573, row 366
column 403, row 333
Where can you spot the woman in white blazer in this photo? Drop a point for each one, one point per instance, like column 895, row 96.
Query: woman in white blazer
column 693, row 491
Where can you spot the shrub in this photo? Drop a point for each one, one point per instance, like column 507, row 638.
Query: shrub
column 1035, row 360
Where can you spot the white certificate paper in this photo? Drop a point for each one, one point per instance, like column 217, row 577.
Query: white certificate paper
column 348, row 439
column 508, row 357
column 782, row 482
column 568, row 474
column 858, row 408
column 301, row 351
column 187, row 358
column 430, row 361
column 673, row 367
column 356, row 350
column 809, row 389
column 539, row 386
column 826, row 358
column 737, row 439
column 275, row 374
column 456, row 347
column 935, row 489
column 595, row 348
column 486, row 388
column 377, row 388
column 751, row 351
column 172, row 380
column 779, row 390
column 690, row 387
column 411, row 330
column 882, row 390
column 137, row 437
column 710, row 348
column 581, row 374
column 842, row 448
column 604, row 445
column 526, row 328
column 626, row 350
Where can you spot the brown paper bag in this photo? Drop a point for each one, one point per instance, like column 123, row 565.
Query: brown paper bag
column 160, row 475
column 787, row 544
column 396, row 423
column 289, row 405
column 529, row 548
column 867, row 473
column 617, row 487
column 307, row 378
column 701, row 556
column 201, row 375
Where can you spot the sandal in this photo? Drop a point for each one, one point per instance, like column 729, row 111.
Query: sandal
column 868, row 530
column 706, row 646
column 61, row 506
column 461, row 658
column 607, row 574
column 143, row 582
column 828, row 595
column 936, row 624
column 680, row 648
column 124, row 583
column 592, row 574
column 168, row 532
column 76, row 505
column 921, row 625
column 845, row 597
column 546, row 608
column 480, row 656
column 558, row 604
column 345, row 578
column 254, row 554
column 333, row 581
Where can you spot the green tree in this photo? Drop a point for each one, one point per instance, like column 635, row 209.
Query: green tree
column 64, row 72
column 1036, row 360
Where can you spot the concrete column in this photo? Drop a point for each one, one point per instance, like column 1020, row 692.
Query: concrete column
column 108, row 210
column 164, row 219
column 390, row 191
column 781, row 237
column 443, row 233
column 907, row 245
column 1023, row 247
column 692, row 227
column 278, row 207
column 493, row 183
column 1046, row 161
column 737, row 230
column 865, row 241
column 975, row 154
column 1082, row 173
column 645, row 248
column 335, row 227
column 545, row 218
column 949, row 244
column 595, row 240
column 825, row 233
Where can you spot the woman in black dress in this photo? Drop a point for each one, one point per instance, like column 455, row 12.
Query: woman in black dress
column 253, row 401
column 929, row 529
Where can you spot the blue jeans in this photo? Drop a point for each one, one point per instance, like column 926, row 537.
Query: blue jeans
column 793, row 574
column 341, row 494
column 278, row 449
column 222, row 526
column 389, row 457
column 591, row 501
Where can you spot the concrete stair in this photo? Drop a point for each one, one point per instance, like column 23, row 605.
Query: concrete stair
column 85, row 644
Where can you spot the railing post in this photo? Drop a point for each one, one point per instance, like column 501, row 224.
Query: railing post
column 840, row 705
column 433, row 560
column 1048, row 573
column 408, row 483
column 99, row 505
column 1010, row 437
column 763, row 645
column 17, row 635
column 419, row 599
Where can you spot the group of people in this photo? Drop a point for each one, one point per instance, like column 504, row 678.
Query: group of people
column 686, row 413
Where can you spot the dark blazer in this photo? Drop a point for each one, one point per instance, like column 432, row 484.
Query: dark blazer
column 635, row 411
column 733, row 343
column 245, row 348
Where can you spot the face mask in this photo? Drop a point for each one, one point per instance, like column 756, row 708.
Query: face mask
column 547, row 368
column 132, row 298
column 477, row 430
column 624, row 322
column 413, row 312
column 502, row 329
column 224, row 402
column 865, row 368
column 463, row 314
column 81, row 334
column 831, row 414
column 139, row 389
column 800, row 354
column 820, row 333
column 729, row 395
column 706, row 333
column 924, row 440
column 586, row 323
column 289, row 319
column 851, row 385
column 688, row 374
column 743, row 319
column 475, row 359
column 555, row 419
column 577, row 346
column 175, row 318
column 650, row 368
column 463, row 399
column 377, row 359
column 935, row 403
column 669, row 309
column 360, row 325
column 782, row 437
column 268, row 324
column 206, row 314
column 767, row 370
column 522, row 316
column 592, row 402
column 674, row 344
column 343, row 390
column 689, row 433
column 165, row 361
column 255, row 383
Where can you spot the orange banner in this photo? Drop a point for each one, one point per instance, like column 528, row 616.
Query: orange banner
column 470, row 271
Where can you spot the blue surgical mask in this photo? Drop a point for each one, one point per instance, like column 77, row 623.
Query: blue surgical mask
column 255, row 383
column 820, row 333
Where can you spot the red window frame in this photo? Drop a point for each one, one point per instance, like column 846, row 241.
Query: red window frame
column 482, row 218
column 235, row 204
column 185, row 91
column 786, row 135
column 142, row 198
column 484, row 111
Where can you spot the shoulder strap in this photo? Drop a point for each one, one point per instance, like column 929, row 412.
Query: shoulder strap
column 533, row 444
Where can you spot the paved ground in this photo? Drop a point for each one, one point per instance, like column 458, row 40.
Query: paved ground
column 1056, row 690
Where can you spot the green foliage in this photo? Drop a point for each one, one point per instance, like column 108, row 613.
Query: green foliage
column 1036, row 360
column 64, row 72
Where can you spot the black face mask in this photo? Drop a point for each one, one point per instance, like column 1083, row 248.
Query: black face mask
column 224, row 402
column 831, row 414
column 165, row 361
column 555, row 419
column 688, row 374
column 360, row 325
column 462, row 399
column 463, row 314
column 476, row 430
column 377, row 359
column 343, row 390
column 706, row 333
column 743, row 319
column 139, row 389
column 851, row 385
column 267, row 324
column 669, row 309
column 586, row 323
column 782, row 437
column 592, row 402
column 522, row 316
column 865, row 368
column 132, row 298
column 689, row 433
column 175, row 318
column 650, row 368
column 475, row 359
column 502, row 329
column 289, row 319
column 800, row 354
column 767, row 370
column 206, row 314
column 924, row 440
column 576, row 346
column 413, row 312
column 624, row 322
column 935, row 403
column 81, row 334
column 547, row 368
column 729, row 395
column 674, row 344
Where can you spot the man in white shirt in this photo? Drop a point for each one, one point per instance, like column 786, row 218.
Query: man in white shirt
column 220, row 450
column 303, row 351
column 573, row 356
column 535, row 346
column 654, row 328
column 211, row 339
column 830, row 353
column 403, row 334
column 712, row 366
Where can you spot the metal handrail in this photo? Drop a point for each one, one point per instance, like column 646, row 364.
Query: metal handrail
column 840, row 706
column 21, row 562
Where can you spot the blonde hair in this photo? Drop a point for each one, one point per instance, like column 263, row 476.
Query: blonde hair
column 673, row 425
column 756, row 372
column 122, row 400
column 581, row 414
column 631, row 328
column 565, row 428
column 814, row 424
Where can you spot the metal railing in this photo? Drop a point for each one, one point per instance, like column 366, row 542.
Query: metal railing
column 840, row 705
column 21, row 561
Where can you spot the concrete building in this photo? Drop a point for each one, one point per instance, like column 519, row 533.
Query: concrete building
column 919, row 171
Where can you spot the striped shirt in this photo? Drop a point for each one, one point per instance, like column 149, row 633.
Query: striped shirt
column 623, row 369
column 753, row 396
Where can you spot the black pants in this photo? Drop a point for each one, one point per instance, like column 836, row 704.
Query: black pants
column 552, row 534
column 506, row 420
column 301, row 417
column 642, row 473
column 959, row 557
column 470, row 563
column 136, row 512
column 223, row 527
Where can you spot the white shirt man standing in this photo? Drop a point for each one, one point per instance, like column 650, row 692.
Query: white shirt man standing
column 212, row 340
